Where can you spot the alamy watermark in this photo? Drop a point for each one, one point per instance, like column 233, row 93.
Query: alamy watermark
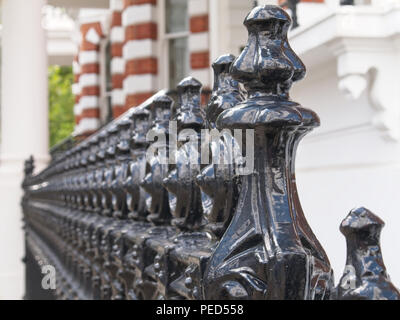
column 349, row 279
column 205, row 147
column 49, row 281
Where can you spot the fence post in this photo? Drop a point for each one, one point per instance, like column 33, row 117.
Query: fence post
column 157, row 196
column 217, row 180
column 269, row 250
column 365, row 276
column 136, row 196
column 184, row 193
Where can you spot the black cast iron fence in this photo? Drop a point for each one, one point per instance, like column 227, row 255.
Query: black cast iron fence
column 125, row 215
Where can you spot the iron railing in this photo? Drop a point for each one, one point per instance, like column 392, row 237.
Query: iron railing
column 125, row 216
column 62, row 146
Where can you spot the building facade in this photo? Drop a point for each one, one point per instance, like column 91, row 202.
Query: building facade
column 132, row 50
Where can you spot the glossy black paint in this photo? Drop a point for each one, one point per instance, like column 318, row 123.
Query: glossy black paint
column 184, row 194
column 365, row 277
column 217, row 181
column 119, row 222
column 273, row 253
column 157, row 196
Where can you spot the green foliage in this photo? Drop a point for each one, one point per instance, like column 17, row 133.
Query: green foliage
column 61, row 103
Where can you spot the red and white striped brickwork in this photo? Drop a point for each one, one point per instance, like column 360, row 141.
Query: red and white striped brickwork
column 117, row 38
column 139, row 20
column 199, row 44
column 87, row 111
column 134, row 58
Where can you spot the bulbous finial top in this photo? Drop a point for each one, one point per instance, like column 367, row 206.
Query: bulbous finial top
column 189, row 83
column 140, row 121
column 267, row 68
column 67, row 162
column 100, row 155
column 161, row 109
column 223, row 64
column 163, row 102
column 124, row 124
column 189, row 113
column 124, row 127
column 112, row 133
column 361, row 220
column 85, row 152
column 268, row 65
column 369, row 277
column 226, row 92
column 29, row 166
column 139, row 113
column 77, row 156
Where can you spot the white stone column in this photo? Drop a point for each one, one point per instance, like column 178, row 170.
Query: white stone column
column 24, row 127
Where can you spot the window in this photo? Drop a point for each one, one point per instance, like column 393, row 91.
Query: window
column 175, row 35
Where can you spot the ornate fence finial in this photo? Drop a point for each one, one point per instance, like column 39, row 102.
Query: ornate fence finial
column 85, row 152
column 365, row 277
column 140, row 124
column 226, row 92
column 123, row 146
column 137, row 167
column 77, row 165
column 91, row 196
column 189, row 114
column 272, row 69
column 100, row 155
column 112, row 141
column 157, row 200
column 184, row 194
column 121, row 168
column 269, row 250
column 83, row 180
column 93, row 149
column 347, row 2
column 217, row 181
column 29, row 166
column 161, row 110
column 98, row 193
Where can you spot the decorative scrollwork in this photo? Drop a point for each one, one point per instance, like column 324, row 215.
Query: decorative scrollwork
column 131, row 214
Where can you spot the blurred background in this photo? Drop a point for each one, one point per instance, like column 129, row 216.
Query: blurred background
column 70, row 66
